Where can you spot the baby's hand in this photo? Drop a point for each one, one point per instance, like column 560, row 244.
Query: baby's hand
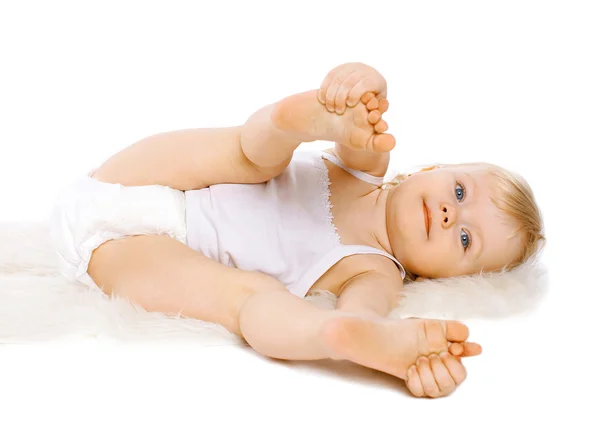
column 439, row 375
column 435, row 375
column 347, row 83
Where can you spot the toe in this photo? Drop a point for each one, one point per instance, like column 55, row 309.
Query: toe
column 383, row 143
column 471, row 349
column 456, row 349
column 373, row 104
column 367, row 96
column 383, row 105
column 374, row 116
column 381, row 126
column 456, row 331
column 434, row 333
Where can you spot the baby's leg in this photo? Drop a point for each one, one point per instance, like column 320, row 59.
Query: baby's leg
column 253, row 153
column 271, row 135
column 302, row 118
column 164, row 275
column 195, row 158
column 281, row 325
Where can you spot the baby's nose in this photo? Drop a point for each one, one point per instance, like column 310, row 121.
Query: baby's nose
column 448, row 215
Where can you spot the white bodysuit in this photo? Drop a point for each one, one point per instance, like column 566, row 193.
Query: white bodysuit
column 282, row 227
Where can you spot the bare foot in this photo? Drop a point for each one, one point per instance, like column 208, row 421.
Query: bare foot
column 359, row 128
column 390, row 345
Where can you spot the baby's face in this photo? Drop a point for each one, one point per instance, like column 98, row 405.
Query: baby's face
column 467, row 233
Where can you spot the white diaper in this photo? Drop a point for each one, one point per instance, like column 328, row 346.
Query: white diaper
column 89, row 212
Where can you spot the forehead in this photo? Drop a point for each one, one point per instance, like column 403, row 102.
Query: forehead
column 497, row 230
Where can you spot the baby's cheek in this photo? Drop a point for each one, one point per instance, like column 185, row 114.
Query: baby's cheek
column 434, row 262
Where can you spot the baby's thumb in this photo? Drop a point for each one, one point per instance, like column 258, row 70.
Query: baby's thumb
column 465, row 349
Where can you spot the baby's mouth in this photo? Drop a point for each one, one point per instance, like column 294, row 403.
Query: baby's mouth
column 427, row 218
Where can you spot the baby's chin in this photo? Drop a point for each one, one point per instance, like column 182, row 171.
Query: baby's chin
column 413, row 268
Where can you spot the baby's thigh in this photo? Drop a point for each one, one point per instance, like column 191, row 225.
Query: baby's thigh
column 162, row 274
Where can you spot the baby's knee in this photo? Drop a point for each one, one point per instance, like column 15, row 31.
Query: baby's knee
column 253, row 283
column 260, row 283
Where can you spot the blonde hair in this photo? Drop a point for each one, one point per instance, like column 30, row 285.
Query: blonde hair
column 514, row 197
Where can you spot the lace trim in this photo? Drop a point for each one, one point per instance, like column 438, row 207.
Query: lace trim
column 325, row 198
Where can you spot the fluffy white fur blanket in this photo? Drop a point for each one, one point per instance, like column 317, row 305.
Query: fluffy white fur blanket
column 38, row 304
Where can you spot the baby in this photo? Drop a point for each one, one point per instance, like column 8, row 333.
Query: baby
column 235, row 226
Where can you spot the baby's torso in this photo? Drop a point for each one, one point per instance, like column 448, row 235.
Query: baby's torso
column 300, row 227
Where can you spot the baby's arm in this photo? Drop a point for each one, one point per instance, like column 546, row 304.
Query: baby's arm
column 374, row 294
column 345, row 86
column 372, row 286
column 371, row 293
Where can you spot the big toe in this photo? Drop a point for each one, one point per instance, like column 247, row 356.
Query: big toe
column 456, row 331
column 383, row 143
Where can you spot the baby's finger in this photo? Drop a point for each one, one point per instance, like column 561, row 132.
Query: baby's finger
column 324, row 85
column 322, row 94
column 333, row 89
column 430, row 387
column 365, row 85
column 455, row 367
column 442, row 376
column 344, row 90
column 357, row 94
column 414, row 382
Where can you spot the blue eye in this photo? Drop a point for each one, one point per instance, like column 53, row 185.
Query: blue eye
column 460, row 192
column 465, row 239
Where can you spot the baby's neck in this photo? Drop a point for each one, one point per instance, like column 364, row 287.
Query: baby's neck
column 372, row 211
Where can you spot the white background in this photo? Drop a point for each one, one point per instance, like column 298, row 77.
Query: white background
column 512, row 82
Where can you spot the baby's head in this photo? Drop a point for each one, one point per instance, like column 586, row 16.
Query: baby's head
column 482, row 218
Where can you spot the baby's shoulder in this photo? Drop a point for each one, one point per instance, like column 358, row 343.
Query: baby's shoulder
column 352, row 266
